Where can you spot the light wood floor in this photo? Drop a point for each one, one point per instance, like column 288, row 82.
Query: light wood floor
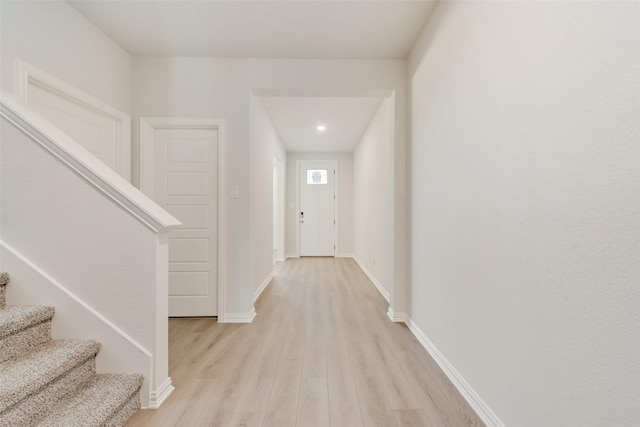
column 321, row 352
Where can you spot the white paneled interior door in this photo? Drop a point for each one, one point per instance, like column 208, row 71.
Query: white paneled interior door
column 317, row 203
column 185, row 183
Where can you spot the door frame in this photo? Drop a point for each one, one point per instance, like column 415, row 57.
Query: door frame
column 148, row 126
column 336, row 187
column 26, row 74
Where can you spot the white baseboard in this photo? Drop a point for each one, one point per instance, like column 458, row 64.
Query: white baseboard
column 345, row 256
column 262, row 287
column 291, row 256
column 396, row 317
column 240, row 317
column 371, row 277
column 475, row 401
column 157, row 397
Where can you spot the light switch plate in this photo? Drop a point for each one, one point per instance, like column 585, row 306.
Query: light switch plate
column 235, row 192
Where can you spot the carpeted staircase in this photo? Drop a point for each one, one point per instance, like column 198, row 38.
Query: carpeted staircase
column 45, row 382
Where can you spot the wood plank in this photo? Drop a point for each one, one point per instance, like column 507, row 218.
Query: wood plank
column 343, row 397
column 442, row 406
column 213, row 404
column 374, row 405
column 412, row 418
column 246, row 419
column 260, row 381
column 315, row 348
column 194, row 347
column 282, row 409
column 294, row 342
column 313, row 405
column 399, row 393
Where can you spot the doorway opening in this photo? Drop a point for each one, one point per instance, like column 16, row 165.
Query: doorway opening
column 356, row 131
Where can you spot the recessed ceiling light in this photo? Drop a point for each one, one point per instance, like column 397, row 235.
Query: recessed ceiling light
column 321, row 128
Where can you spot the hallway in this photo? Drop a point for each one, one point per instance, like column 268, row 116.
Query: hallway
column 320, row 352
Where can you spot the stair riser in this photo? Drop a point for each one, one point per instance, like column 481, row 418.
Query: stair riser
column 120, row 418
column 105, row 400
column 25, row 340
column 32, row 407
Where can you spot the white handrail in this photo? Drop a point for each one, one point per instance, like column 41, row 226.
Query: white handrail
column 82, row 162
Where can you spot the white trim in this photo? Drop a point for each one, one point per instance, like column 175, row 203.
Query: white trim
column 26, row 73
column 222, row 218
column 281, row 198
column 85, row 165
column 396, row 317
column 263, row 286
column 378, row 285
column 157, row 397
column 336, row 212
column 297, row 214
column 475, row 401
column 241, row 317
column 291, row 256
column 148, row 125
column 345, row 256
column 75, row 298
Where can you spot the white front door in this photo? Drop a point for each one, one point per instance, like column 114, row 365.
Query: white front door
column 317, row 208
column 185, row 183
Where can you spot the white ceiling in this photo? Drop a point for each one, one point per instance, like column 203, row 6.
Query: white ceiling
column 294, row 29
column 296, row 121
column 261, row 29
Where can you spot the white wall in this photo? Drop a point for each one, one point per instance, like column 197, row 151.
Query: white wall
column 265, row 146
column 221, row 88
column 372, row 198
column 54, row 37
column 344, row 246
column 525, row 205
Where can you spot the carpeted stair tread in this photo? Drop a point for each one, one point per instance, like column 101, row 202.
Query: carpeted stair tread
column 33, row 406
column 25, row 341
column 23, row 329
column 3, row 296
column 103, row 400
column 19, row 317
column 24, row 376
